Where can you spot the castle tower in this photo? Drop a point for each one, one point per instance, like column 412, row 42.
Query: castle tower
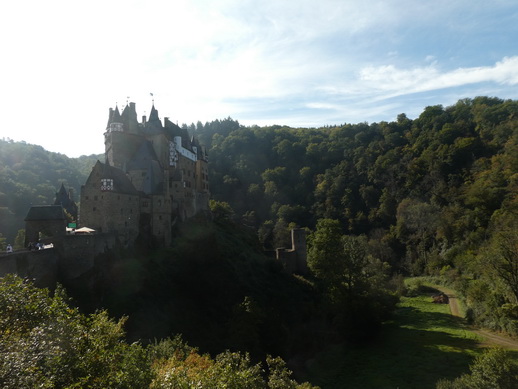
column 121, row 139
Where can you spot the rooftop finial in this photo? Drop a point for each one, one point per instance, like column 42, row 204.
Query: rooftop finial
column 153, row 99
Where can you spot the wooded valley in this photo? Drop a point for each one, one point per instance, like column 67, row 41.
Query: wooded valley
column 435, row 196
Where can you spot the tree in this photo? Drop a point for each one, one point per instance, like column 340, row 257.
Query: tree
column 494, row 369
column 504, row 259
column 45, row 343
column 221, row 210
column 325, row 254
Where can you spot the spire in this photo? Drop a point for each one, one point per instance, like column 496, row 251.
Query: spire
column 129, row 118
column 153, row 115
column 114, row 116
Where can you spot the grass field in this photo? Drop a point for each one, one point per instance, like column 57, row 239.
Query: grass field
column 422, row 344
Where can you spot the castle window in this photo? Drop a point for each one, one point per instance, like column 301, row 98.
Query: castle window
column 106, row 184
column 122, row 211
column 118, row 197
column 86, row 197
column 94, row 209
column 95, row 198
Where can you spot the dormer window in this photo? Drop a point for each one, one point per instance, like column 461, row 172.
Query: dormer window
column 106, row 184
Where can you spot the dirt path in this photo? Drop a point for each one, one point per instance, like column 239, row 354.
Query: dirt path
column 489, row 338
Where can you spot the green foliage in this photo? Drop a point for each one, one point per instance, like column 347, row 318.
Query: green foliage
column 325, row 256
column 494, row 369
column 188, row 369
column 31, row 175
column 355, row 283
column 427, row 192
column 45, row 343
column 221, row 210
column 421, row 344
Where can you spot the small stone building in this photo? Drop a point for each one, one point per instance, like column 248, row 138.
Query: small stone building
column 45, row 222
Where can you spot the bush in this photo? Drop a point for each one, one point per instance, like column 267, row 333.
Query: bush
column 47, row 344
column 492, row 370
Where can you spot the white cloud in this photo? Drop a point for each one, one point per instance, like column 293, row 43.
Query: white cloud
column 388, row 78
column 295, row 63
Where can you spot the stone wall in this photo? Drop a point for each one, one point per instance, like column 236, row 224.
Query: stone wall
column 40, row 266
column 71, row 257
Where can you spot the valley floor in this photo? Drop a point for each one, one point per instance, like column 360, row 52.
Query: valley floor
column 423, row 343
column 488, row 338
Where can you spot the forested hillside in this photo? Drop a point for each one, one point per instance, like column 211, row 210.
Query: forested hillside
column 435, row 195
column 432, row 196
column 30, row 175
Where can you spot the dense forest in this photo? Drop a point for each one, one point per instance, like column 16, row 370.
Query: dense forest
column 30, row 175
column 436, row 195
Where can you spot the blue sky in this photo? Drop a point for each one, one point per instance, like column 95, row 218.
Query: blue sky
column 289, row 62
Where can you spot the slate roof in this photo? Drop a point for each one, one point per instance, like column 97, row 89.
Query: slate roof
column 145, row 159
column 114, row 116
column 121, row 182
column 129, row 119
column 45, row 212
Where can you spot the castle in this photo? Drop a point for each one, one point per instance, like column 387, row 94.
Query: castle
column 154, row 175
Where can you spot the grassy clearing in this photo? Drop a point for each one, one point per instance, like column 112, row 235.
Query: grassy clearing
column 422, row 344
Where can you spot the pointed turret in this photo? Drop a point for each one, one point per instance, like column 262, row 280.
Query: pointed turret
column 154, row 121
column 153, row 114
column 114, row 120
column 129, row 119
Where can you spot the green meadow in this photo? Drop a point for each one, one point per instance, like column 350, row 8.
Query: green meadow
column 420, row 345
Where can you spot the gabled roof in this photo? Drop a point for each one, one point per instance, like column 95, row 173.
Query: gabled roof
column 45, row 212
column 121, row 182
